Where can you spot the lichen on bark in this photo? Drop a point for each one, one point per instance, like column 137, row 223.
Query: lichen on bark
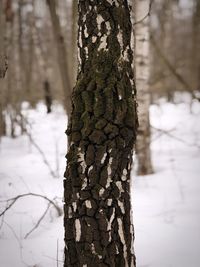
column 101, row 134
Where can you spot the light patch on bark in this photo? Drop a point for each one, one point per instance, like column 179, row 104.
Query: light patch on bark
column 109, row 170
column 110, row 224
column 101, row 191
column 110, row 2
column 78, row 230
column 121, row 205
column 99, row 21
column 129, row 166
column 120, row 38
column 86, row 52
column 85, row 32
column 103, row 40
column 132, row 232
column 103, row 43
column 90, row 168
column 84, row 184
column 122, row 238
column 69, row 212
column 94, row 38
column 79, row 60
column 83, row 164
column 74, row 206
column 80, row 37
column 94, row 251
column 109, row 201
column 124, row 175
column 103, row 158
column 117, row 250
column 124, row 52
column 88, row 204
column 109, row 180
column 119, row 186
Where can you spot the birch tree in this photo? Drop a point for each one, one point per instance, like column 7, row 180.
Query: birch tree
column 101, row 135
column 142, row 81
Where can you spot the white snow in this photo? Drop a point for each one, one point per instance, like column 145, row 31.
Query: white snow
column 166, row 206
column 166, row 210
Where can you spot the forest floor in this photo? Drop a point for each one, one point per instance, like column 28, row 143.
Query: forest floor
column 166, row 204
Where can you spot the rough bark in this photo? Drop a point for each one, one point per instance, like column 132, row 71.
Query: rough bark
column 102, row 133
column 62, row 55
column 143, row 150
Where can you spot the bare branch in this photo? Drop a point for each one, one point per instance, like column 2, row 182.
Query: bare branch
column 175, row 137
column 38, row 222
column 172, row 69
column 14, row 199
column 53, row 174
column 147, row 15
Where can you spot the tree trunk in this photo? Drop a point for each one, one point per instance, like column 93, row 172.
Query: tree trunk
column 62, row 55
column 47, row 96
column 143, row 150
column 3, row 59
column 101, row 132
column 73, row 39
column 195, row 73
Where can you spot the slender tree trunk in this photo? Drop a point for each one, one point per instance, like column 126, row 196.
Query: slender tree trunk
column 62, row 55
column 102, row 132
column 195, row 74
column 142, row 81
column 3, row 59
column 47, row 96
column 73, row 39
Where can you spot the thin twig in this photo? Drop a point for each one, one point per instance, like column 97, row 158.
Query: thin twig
column 147, row 15
column 175, row 137
column 42, row 154
column 38, row 222
column 37, row 147
column 171, row 68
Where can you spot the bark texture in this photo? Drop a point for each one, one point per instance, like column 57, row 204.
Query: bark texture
column 143, row 151
column 101, row 132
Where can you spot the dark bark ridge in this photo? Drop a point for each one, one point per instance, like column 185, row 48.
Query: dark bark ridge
column 101, row 132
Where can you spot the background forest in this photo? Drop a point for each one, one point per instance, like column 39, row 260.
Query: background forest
column 38, row 43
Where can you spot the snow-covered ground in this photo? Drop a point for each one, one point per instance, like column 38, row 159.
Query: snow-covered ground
column 166, row 204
